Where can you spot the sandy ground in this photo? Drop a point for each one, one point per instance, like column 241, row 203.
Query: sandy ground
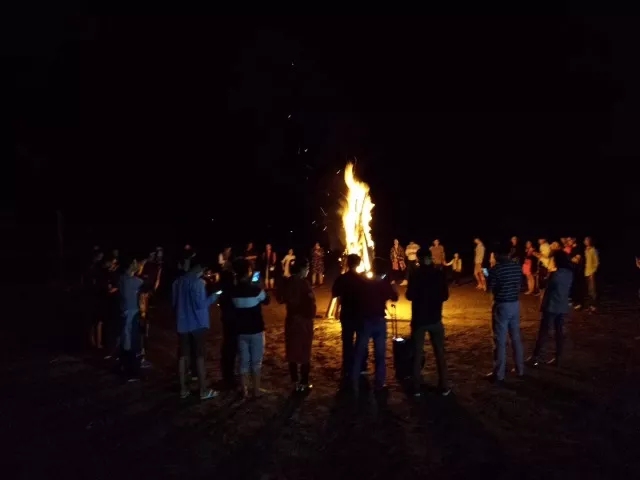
column 69, row 416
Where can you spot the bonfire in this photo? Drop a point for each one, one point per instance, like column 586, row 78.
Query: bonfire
column 356, row 220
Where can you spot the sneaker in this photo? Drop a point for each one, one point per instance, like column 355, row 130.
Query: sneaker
column 577, row 307
column 445, row 392
column 145, row 364
column 133, row 380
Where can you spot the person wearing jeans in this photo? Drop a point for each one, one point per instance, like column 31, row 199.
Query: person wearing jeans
column 247, row 299
column 427, row 292
column 504, row 283
column 555, row 305
column 251, row 352
column 347, row 288
column 191, row 306
column 371, row 311
column 129, row 287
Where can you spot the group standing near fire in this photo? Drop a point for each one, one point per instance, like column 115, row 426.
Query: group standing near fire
column 121, row 291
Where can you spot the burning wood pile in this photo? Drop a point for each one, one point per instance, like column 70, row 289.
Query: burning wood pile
column 356, row 221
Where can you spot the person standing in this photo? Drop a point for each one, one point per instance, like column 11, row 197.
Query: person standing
column 269, row 267
column 591, row 265
column 504, row 284
column 412, row 259
column 250, row 255
column 191, row 306
column 317, row 265
column 427, row 292
column 478, row 260
column 348, row 288
column 224, row 259
column 456, row 269
column 398, row 264
column 437, row 254
column 372, row 325
column 287, row 262
column 129, row 287
column 247, row 299
column 300, row 300
column 555, row 305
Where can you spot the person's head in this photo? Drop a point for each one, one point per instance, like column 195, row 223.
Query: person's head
column 353, row 261
column 268, row 246
column 243, row 270
column 588, row 242
column 152, row 256
column 159, row 253
column 197, row 268
column 424, row 257
column 317, row 245
column 290, row 251
column 436, row 242
column 456, row 255
column 187, row 247
column 542, row 241
column 528, row 244
column 249, row 246
column 555, row 246
column 564, row 240
column 477, row 241
column 98, row 257
column 115, row 253
column 396, row 242
column 514, row 241
column 501, row 251
column 133, row 264
column 227, row 250
column 573, row 241
column 300, row 268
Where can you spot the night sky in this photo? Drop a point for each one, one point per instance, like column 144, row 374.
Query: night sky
column 147, row 128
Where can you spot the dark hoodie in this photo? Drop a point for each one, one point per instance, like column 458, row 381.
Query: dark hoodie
column 427, row 291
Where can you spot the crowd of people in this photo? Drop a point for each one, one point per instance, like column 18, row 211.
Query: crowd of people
column 120, row 291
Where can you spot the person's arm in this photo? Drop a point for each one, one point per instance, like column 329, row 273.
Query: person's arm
column 220, row 259
column 157, row 284
column 448, row 264
column 199, row 295
column 596, row 260
column 264, row 298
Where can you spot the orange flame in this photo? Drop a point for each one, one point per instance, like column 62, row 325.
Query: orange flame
column 356, row 220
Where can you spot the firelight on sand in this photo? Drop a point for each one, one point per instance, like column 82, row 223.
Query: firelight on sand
column 356, row 220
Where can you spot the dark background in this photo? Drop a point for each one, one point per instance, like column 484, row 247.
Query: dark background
column 163, row 130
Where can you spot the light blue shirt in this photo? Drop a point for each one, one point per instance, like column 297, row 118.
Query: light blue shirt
column 191, row 303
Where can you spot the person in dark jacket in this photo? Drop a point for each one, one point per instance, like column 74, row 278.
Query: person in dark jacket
column 371, row 308
column 229, row 347
column 347, row 288
column 555, row 305
column 300, row 300
column 247, row 299
column 427, row 291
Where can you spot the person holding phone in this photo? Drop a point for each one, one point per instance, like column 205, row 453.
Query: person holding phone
column 247, row 299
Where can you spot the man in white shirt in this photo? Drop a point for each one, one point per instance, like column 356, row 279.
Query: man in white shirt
column 412, row 259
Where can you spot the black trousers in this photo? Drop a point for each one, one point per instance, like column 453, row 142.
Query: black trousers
column 349, row 330
column 305, row 368
column 548, row 319
column 228, row 354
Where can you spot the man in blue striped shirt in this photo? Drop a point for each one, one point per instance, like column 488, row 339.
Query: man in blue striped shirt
column 504, row 283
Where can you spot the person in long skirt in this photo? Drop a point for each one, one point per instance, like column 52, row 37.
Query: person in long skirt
column 298, row 328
